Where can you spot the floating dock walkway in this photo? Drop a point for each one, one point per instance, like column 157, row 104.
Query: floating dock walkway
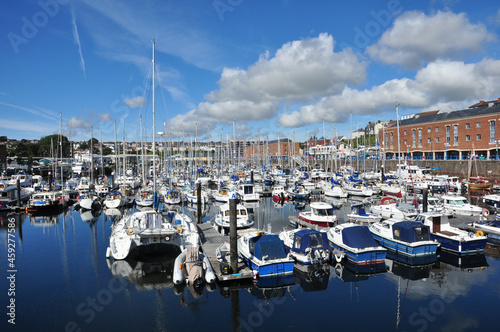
column 210, row 241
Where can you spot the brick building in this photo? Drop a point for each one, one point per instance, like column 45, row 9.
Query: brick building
column 446, row 135
column 283, row 149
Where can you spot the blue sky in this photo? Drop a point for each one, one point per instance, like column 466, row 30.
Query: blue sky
column 271, row 68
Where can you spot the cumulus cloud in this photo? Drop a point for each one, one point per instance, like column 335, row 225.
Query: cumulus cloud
column 300, row 71
column 135, row 102
column 441, row 85
column 416, row 39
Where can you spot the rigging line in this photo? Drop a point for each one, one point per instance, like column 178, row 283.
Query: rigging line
column 162, row 95
column 146, row 89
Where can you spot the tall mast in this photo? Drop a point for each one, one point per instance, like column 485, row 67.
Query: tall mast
column 154, row 127
column 91, row 156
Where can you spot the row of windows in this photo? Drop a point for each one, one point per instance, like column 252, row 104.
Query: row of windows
column 467, row 126
column 448, row 135
column 429, row 140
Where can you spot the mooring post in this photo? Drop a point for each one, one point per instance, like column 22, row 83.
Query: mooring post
column 198, row 200
column 425, row 193
column 233, row 252
column 382, row 172
column 251, row 177
column 18, row 193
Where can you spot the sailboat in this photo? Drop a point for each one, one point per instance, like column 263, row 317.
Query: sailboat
column 144, row 231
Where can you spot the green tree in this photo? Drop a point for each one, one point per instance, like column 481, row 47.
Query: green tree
column 45, row 144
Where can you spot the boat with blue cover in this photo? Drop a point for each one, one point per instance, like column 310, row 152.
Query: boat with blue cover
column 357, row 243
column 410, row 238
column 452, row 238
column 265, row 254
column 307, row 246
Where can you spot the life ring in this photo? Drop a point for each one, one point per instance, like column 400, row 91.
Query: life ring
column 480, row 233
column 486, row 213
column 130, row 231
column 179, row 228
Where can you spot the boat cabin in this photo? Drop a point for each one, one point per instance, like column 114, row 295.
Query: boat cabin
column 410, row 231
column 267, row 247
column 309, row 238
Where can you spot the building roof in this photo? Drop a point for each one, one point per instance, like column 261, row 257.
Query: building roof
column 475, row 110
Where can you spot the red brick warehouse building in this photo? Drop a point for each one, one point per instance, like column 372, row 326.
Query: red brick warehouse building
column 446, row 135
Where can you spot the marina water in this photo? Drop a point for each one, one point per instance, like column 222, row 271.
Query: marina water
column 65, row 283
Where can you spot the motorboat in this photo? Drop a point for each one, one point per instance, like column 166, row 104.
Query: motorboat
column 389, row 208
column 307, row 246
column 452, row 238
column 246, row 193
column 492, row 201
column 360, row 215
column 222, row 219
column 46, row 202
column 489, row 228
column 9, row 196
column 321, row 214
column 142, row 230
column 265, row 254
column 279, row 193
column 409, row 238
column 357, row 244
column 459, row 205
column 298, row 192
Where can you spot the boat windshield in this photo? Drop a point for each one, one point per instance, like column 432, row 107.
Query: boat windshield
column 323, row 212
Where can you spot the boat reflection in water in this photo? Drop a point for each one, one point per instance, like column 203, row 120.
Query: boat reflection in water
column 411, row 268
column 146, row 272
column 90, row 215
column 465, row 263
column 272, row 286
column 45, row 220
column 351, row 272
column 312, row 277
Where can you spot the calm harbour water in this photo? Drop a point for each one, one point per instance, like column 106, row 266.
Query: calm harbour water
column 64, row 282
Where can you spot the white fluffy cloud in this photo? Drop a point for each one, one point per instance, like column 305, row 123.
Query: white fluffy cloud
column 417, row 38
column 300, row 71
column 441, row 85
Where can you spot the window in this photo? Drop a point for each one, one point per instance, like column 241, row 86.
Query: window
column 429, row 140
column 420, row 137
column 492, row 131
column 455, row 134
column 406, row 142
column 413, row 137
column 437, row 129
column 448, row 134
column 437, row 139
column 404, row 133
column 429, row 129
column 478, row 124
column 467, row 138
column 467, row 126
column 392, row 140
column 478, row 137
